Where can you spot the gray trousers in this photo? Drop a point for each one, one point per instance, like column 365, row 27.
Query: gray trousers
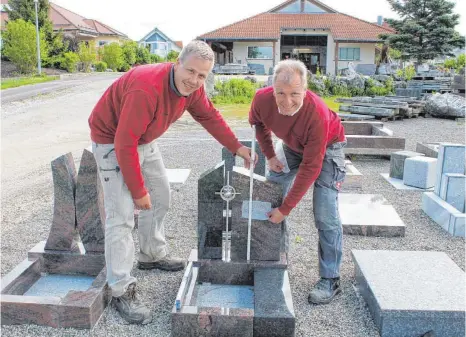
column 119, row 213
column 325, row 204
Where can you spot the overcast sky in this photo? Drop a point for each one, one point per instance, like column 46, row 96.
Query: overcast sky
column 186, row 19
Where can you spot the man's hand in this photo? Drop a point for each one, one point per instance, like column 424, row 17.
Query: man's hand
column 275, row 216
column 245, row 153
column 275, row 164
column 143, row 203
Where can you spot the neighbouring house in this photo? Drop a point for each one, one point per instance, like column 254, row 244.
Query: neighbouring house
column 76, row 26
column 308, row 30
column 159, row 43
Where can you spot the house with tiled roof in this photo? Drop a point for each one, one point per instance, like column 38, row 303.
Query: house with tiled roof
column 75, row 25
column 308, row 30
column 159, row 43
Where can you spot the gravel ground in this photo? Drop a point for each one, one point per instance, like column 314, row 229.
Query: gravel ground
column 27, row 200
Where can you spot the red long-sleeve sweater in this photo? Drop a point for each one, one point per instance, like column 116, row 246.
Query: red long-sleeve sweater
column 309, row 131
column 139, row 107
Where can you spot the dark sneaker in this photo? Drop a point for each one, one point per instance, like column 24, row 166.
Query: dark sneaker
column 130, row 307
column 324, row 291
column 167, row 263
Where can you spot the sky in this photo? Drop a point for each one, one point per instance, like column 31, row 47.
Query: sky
column 186, row 19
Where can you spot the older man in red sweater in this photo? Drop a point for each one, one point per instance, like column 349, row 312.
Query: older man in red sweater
column 312, row 153
column 132, row 113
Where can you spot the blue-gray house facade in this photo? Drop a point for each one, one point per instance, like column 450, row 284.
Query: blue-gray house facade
column 159, row 43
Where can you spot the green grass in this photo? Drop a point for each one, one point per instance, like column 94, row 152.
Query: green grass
column 17, row 82
column 241, row 111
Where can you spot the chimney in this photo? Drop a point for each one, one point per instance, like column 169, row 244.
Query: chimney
column 380, row 20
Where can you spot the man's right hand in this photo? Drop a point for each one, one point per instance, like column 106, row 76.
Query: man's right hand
column 275, row 165
column 143, row 203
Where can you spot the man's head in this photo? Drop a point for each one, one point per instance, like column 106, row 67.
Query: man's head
column 195, row 62
column 289, row 86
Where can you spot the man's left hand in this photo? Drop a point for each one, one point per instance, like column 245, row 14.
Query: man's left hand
column 245, row 153
column 275, row 216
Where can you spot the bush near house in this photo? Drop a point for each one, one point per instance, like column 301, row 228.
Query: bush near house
column 87, row 54
column 235, row 91
column 154, row 58
column 112, row 54
column 19, row 41
column 129, row 52
column 70, row 61
column 172, row 56
column 142, row 55
column 101, row 66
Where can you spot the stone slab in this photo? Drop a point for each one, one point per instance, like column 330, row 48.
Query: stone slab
column 453, row 190
column 59, row 285
column 372, row 111
column 397, row 162
column 353, row 180
column 399, row 185
column 178, row 177
column 420, row 172
column 360, row 128
column 265, row 235
column 369, row 215
column 354, row 117
column 273, row 304
column 381, row 131
column 90, row 211
column 373, row 145
column 441, row 213
column 410, row 293
column 224, row 296
column 64, row 209
column 429, row 149
column 451, row 159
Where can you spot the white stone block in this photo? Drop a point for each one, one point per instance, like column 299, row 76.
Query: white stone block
column 420, row 172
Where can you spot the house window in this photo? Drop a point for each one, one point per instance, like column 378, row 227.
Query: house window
column 349, row 54
column 260, row 52
column 102, row 43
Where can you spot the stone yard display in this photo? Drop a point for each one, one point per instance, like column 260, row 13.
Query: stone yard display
column 446, row 204
column 369, row 215
column 371, row 138
column 412, row 293
column 353, row 179
column 62, row 283
column 225, row 292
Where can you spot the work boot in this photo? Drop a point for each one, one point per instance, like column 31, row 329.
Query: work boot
column 130, row 307
column 324, row 291
column 167, row 263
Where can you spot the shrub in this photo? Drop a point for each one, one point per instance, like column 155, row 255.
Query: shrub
column 234, row 91
column 113, row 55
column 19, row 41
column 154, row 58
column 87, row 54
column 69, row 61
column 172, row 56
column 124, row 67
column 142, row 55
column 409, row 73
column 101, row 66
column 129, row 52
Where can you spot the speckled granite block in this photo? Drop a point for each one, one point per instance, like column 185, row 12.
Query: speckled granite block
column 452, row 190
column 265, row 235
column 457, row 224
column 410, row 293
column 369, row 215
column 273, row 308
column 64, row 209
column 229, row 159
column 451, row 159
column 90, row 211
column 397, row 162
column 429, row 149
column 373, row 145
column 441, row 212
column 360, row 128
column 210, row 220
column 420, row 172
column 353, row 180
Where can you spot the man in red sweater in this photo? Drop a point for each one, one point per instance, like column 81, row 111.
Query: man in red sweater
column 312, row 152
column 125, row 123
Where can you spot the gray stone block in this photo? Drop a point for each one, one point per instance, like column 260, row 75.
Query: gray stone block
column 353, row 180
column 397, row 162
column 360, row 128
column 265, row 236
column 441, row 212
column 273, row 308
column 372, row 111
column 429, row 149
column 457, row 224
column 451, row 159
column 410, row 293
column 452, row 190
column 420, row 172
column 354, row 117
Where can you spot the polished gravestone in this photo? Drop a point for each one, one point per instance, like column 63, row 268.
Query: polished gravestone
column 369, row 215
column 222, row 293
column 62, row 283
column 411, row 293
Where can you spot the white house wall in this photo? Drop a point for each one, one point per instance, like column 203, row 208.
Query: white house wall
column 330, row 55
column 240, row 53
column 367, row 54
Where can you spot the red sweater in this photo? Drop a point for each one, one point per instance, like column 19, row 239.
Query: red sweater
column 139, row 107
column 309, row 131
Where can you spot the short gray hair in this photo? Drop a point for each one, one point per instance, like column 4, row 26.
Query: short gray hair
column 198, row 48
column 286, row 69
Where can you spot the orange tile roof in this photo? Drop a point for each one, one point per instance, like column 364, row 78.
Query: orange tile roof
column 268, row 25
column 179, row 44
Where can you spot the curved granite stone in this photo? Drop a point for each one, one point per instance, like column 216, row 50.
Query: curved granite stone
column 90, row 214
column 64, row 210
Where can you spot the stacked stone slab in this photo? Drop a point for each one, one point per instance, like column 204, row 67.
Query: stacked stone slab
column 446, row 205
column 420, row 172
column 397, row 162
